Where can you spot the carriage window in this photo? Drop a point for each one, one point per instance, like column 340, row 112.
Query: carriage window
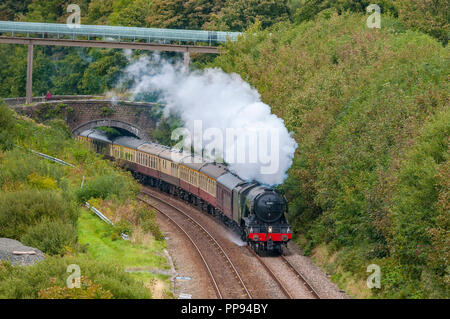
column 173, row 169
column 202, row 182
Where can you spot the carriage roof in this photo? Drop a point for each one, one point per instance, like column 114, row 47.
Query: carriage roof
column 127, row 141
column 214, row 170
column 230, row 180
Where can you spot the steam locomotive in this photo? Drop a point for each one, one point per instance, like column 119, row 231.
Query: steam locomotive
column 255, row 210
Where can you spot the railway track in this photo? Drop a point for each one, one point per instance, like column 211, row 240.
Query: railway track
column 211, row 276
column 218, row 264
column 303, row 288
column 279, row 281
column 272, row 274
column 302, row 278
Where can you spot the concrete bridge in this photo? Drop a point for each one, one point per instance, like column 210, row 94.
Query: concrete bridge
column 84, row 112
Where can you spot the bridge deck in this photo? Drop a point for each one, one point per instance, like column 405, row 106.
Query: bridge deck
column 90, row 32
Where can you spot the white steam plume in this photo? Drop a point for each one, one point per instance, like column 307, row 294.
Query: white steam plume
column 221, row 101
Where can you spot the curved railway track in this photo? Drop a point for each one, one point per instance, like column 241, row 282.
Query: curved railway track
column 211, row 276
column 217, row 262
column 272, row 274
column 303, row 286
column 302, row 278
column 279, row 282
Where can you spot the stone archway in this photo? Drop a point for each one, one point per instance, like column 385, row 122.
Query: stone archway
column 111, row 123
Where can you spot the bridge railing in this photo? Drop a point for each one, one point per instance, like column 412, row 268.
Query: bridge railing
column 105, row 32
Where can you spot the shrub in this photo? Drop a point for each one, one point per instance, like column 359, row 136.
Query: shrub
column 122, row 227
column 24, row 167
column 417, row 215
column 7, row 127
column 106, row 111
column 87, row 290
column 51, row 236
column 21, row 210
column 148, row 222
column 107, row 186
column 41, row 182
column 27, row 282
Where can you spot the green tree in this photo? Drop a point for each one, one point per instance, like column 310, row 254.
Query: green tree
column 418, row 205
column 309, row 9
column 99, row 12
column 238, row 15
column 69, row 69
column 429, row 16
column 183, row 14
column 131, row 13
column 13, row 70
column 47, row 11
column 10, row 9
column 103, row 73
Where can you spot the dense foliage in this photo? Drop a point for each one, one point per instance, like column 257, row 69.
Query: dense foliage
column 105, row 187
column 47, row 279
column 7, row 125
column 369, row 109
column 432, row 17
column 40, row 206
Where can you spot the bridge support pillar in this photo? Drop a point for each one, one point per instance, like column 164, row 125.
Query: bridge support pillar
column 30, row 74
column 187, row 59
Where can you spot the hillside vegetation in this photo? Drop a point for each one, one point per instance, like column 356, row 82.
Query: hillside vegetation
column 370, row 112
column 41, row 206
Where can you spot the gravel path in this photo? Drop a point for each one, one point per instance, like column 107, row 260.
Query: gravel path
column 9, row 246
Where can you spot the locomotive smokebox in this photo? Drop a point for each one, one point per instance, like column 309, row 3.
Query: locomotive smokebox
column 269, row 206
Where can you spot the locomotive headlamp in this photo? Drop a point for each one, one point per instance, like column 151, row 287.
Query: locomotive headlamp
column 270, row 229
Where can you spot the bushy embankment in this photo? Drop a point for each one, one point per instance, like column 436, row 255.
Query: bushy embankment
column 369, row 110
column 40, row 203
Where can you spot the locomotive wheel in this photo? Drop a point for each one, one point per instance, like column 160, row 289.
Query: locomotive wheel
column 259, row 250
column 243, row 235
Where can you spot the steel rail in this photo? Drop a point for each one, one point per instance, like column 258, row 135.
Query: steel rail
column 211, row 276
column 223, row 253
column 299, row 275
column 272, row 274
